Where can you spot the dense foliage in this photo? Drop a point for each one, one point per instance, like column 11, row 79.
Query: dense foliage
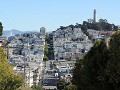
column 49, row 51
column 60, row 84
column 46, row 49
column 100, row 68
column 1, row 28
column 8, row 80
column 113, row 66
column 45, row 58
column 92, row 68
column 102, row 24
column 36, row 87
column 70, row 87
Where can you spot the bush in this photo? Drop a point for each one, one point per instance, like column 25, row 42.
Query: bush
column 36, row 87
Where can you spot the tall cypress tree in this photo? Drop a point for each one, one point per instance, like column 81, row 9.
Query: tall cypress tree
column 1, row 28
column 113, row 66
column 91, row 71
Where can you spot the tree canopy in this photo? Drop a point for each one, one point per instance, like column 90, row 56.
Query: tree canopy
column 70, row 87
column 1, row 29
column 8, row 80
column 100, row 67
column 49, row 51
column 60, row 84
column 91, row 69
column 113, row 66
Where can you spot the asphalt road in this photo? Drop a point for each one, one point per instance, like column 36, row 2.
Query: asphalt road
column 49, row 79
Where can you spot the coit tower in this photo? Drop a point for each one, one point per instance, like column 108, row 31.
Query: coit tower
column 94, row 16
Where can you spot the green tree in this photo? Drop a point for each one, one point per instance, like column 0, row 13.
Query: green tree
column 47, row 37
column 60, row 84
column 113, row 66
column 8, row 80
column 91, row 70
column 49, row 51
column 1, row 29
column 46, row 48
column 45, row 58
column 78, row 74
column 37, row 87
column 70, row 87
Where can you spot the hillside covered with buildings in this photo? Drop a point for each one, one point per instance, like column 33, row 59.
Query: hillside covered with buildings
column 74, row 56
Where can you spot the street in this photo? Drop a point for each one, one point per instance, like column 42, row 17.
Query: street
column 49, row 79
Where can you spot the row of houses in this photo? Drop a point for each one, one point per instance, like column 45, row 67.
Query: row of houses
column 26, row 52
column 104, row 35
column 70, row 43
column 30, row 45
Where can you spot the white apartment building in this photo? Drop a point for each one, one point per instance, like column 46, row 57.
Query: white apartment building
column 68, row 43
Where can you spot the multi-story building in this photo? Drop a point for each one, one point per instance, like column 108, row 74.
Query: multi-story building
column 69, row 43
column 27, row 49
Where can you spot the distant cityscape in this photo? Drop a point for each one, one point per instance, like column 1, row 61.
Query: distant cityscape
column 26, row 50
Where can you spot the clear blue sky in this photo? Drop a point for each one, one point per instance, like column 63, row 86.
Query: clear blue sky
column 28, row 15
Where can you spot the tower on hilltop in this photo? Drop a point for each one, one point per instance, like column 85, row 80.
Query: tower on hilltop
column 94, row 16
